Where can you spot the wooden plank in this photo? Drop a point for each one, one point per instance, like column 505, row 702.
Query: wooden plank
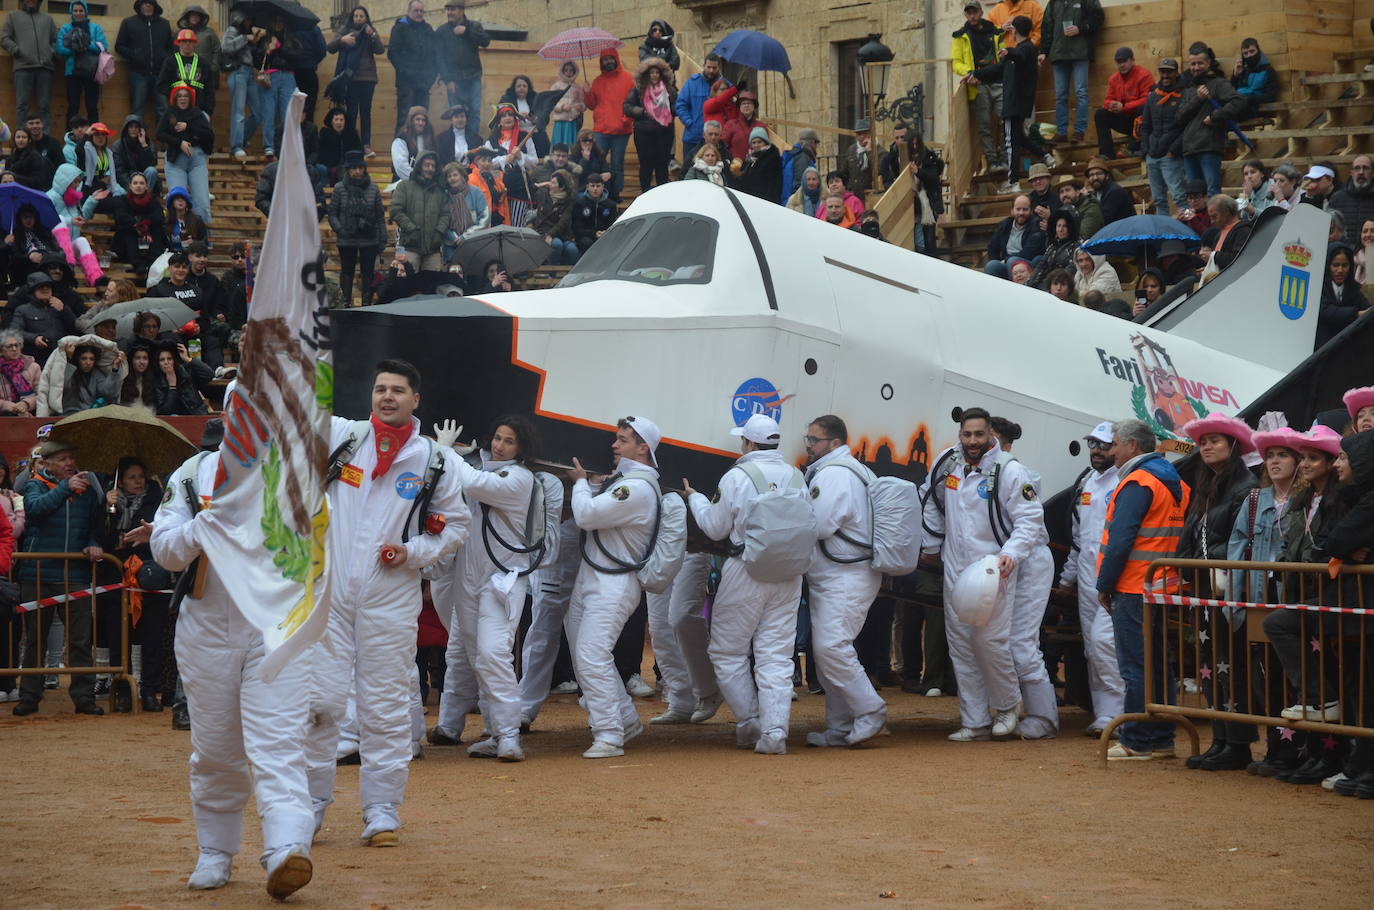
column 1337, row 78
column 1324, row 132
column 1144, row 13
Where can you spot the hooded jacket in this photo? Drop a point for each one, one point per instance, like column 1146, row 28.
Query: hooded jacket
column 419, row 206
column 1257, row 83
column 1356, row 207
column 1354, row 530
column 410, row 49
column 61, row 179
column 30, row 38
column 356, row 213
column 208, row 45
column 68, row 39
column 130, row 157
column 606, row 98
column 459, row 56
column 1132, row 503
column 1202, row 138
column 663, row 48
column 144, row 43
column 634, row 101
column 58, row 520
column 1104, row 278
column 972, row 48
column 236, row 51
column 1059, row 254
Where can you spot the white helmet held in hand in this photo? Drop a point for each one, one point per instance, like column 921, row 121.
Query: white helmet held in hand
column 977, row 592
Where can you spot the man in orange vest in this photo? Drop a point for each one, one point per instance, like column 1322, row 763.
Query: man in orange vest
column 1144, row 523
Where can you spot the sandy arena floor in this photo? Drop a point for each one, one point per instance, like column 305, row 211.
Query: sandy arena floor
column 97, row 817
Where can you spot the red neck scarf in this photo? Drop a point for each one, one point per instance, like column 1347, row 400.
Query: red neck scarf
column 388, row 442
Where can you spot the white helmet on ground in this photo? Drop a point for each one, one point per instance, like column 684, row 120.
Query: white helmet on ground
column 977, row 592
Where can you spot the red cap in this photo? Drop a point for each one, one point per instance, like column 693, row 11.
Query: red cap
column 187, row 35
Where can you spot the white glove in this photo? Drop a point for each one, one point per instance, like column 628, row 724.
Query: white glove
column 447, row 433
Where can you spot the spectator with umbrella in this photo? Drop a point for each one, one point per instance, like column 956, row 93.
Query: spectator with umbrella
column 568, row 109
column 518, row 249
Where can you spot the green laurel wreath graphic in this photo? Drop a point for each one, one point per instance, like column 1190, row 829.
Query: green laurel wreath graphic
column 324, row 385
column 291, row 552
column 1198, row 407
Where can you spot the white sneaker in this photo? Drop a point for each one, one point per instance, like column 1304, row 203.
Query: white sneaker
column 933, row 692
column 969, row 735
column 380, row 822
column 288, row 871
column 707, row 708
column 638, row 688
column 1004, row 724
column 771, row 744
column 417, row 750
column 1051, row 160
column 240, row 154
column 212, row 870
column 564, row 688
column 345, row 748
column 1331, row 711
column 1330, row 782
column 509, row 749
column 12, row 695
column 633, row 730
column 672, row 716
column 1190, row 686
column 603, row 749
column 826, row 739
column 484, row 748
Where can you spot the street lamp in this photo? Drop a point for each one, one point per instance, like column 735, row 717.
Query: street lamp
column 875, row 61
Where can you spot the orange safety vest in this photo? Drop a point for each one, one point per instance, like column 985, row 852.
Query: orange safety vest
column 1159, row 534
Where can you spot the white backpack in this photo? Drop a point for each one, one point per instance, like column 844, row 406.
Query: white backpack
column 667, row 543
column 894, row 523
column 542, row 519
column 778, row 528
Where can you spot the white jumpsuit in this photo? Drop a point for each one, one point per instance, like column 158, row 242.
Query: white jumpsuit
column 246, row 734
column 374, row 610
column 751, row 614
column 982, row 656
column 1034, row 578
column 840, row 597
column 623, row 513
column 485, row 602
column 552, row 586
column 1099, row 641
column 681, row 636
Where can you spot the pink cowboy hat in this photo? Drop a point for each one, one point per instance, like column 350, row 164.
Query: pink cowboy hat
column 1281, row 438
column 1359, row 398
column 1233, row 427
column 1323, row 439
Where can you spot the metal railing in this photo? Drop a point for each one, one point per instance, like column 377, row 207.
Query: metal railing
column 78, row 605
column 1270, row 644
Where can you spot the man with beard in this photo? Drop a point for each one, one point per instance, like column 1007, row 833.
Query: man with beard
column 1116, row 202
column 1074, row 198
column 1163, row 144
column 689, row 102
column 1016, row 237
column 1355, row 201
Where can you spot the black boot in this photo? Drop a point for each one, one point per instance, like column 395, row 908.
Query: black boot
column 1217, row 748
column 181, row 716
column 25, row 707
column 1314, row 771
column 1364, row 785
column 149, row 701
column 123, row 697
column 1234, row 757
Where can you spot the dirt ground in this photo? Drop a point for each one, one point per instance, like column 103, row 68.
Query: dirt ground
column 97, row 817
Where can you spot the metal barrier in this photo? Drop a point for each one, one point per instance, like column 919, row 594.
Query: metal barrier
column 46, row 595
column 1226, row 643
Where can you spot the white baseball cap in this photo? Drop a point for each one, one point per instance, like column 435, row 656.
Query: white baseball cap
column 1102, row 432
column 649, row 432
column 759, row 428
column 1318, row 171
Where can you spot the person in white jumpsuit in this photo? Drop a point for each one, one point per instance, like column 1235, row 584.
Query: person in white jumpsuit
column 989, row 688
column 681, row 638
column 1080, row 572
column 622, row 511
column 552, row 585
column 1039, row 716
column 246, row 734
column 841, row 593
column 486, row 593
column 374, row 604
column 749, row 614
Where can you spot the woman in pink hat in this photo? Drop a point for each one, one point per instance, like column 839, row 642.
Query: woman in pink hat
column 1360, row 403
column 1220, row 486
column 1258, row 535
column 1314, row 510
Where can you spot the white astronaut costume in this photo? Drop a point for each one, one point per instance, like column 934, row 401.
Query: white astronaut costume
column 552, row 585
column 246, row 734
column 622, row 511
column 982, row 656
column 374, row 613
column 1034, row 578
column 681, row 638
column 840, row 597
column 751, row 614
column 1099, row 640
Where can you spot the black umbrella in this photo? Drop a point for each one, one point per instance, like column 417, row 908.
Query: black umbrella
column 263, row 11
column 519, row 249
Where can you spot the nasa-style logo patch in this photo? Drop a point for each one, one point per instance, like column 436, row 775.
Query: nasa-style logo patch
column 1028, row 492
column 408, row 485
column 621, row 493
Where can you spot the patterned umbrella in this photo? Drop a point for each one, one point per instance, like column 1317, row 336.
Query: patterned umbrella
column 579, row 43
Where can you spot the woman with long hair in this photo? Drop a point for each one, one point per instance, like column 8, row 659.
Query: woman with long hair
column 336, row 140
column 1149, row 287
column 140, row 388
column 176, row 391
column 1060, row 251
column 415, row 138
column 1342, row 299
column 30, row 243
column 140, row 234
column 282, row 53
column 515, row 155
column 183, row 225
column 1285, row 186
column 568, row 110
column 650, row 106
column 358, row 43
column 129, row 510
column 1221, row 483
column 88, row 384
column 188, row 138
column 521, row 96
column 1255, row 195
column 30, row 166
column 119, row 290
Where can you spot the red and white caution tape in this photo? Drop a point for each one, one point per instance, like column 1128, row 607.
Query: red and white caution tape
column 1183, row 600
column 83, row 594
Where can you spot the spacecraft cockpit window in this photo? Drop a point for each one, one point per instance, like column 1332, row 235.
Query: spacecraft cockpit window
column 660, row 249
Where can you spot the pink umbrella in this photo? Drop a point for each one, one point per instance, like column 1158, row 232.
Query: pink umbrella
column 578, row 43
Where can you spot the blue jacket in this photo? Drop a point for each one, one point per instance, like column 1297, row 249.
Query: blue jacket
column 688, row 106
column 59, row 521
column 1132, row 502
column 1260, row 84
column 1265, row 544
column 98, row 42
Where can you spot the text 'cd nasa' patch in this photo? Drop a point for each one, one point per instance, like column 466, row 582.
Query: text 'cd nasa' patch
column 1028, row 492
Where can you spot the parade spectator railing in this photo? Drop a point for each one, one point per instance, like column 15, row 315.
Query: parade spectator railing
column 1221, row 641
column 72, row 599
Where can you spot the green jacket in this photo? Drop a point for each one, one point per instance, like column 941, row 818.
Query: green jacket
column 420, row 209
column 1090, row 219
column 1086, row 14
column 60, row 521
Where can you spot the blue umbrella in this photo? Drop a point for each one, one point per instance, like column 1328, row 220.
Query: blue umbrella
column 1127, row 236
column 14, row 196
column 754, row 50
